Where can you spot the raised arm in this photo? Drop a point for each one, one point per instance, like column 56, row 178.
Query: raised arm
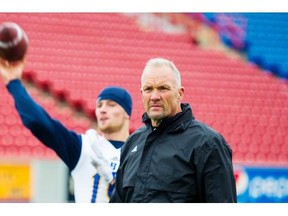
column 66, row 143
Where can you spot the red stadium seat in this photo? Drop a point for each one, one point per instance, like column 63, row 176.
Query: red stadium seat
column 73, row 63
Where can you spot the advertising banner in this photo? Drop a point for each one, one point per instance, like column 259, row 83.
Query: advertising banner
column 14, row 183
column 262, row 184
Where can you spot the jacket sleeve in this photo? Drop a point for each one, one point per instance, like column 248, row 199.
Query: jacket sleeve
column 216, row 177
column 117, row 193
column 67, row 144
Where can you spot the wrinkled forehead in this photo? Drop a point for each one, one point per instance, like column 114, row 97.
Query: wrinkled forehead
column 154, row 74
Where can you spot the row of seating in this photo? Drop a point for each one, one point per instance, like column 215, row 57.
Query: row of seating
column 231, row 95
column 264, row 37
column 16, row 140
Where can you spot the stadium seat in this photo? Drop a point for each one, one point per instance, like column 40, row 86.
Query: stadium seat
column 73, row 63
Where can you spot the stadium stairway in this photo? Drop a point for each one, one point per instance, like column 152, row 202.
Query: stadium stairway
column 260, row 36
column 17, row 141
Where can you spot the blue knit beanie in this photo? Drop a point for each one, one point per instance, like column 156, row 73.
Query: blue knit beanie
column 119, row 95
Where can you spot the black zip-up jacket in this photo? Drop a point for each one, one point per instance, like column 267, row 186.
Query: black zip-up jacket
column 181, row 161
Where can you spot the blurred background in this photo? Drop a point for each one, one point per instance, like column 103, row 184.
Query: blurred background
column 234, row 69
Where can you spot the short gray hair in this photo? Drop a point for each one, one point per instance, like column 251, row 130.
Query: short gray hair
column 156, row 62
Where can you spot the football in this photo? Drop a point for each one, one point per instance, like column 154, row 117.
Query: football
column 13, row 42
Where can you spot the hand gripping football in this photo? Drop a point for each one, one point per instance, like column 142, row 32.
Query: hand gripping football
column 13, row 42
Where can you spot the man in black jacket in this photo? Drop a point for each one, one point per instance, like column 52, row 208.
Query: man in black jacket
column 173, row 158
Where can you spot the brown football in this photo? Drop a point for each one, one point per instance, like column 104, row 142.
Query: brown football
column 13, row 42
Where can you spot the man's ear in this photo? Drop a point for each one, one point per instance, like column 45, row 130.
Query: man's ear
column 181, row 93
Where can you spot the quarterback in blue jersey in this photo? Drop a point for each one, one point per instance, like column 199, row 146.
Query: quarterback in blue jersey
column 92, row 157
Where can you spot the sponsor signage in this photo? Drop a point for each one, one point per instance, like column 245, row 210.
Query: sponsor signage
column 14, row 183
column 261, row 184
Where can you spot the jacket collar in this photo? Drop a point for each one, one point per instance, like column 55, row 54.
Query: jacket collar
column 173, row 124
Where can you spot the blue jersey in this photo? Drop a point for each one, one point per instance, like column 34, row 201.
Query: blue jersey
column 73, row 148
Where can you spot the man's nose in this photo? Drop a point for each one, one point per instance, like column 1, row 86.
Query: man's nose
column 155, row 95
column 103, row 108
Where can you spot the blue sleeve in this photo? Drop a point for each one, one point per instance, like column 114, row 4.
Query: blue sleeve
column 67, row 144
